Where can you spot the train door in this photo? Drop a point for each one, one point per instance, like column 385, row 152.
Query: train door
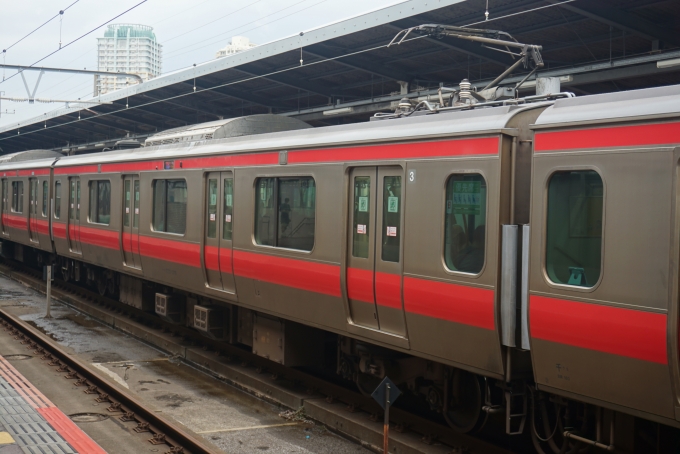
column 33, row 209
column 374, row 265
column 131, row 222
column 3, row 207
column 217, row 254
column 74, row 215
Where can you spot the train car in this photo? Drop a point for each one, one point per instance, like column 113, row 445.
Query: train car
column 462, row 252
column 603, row 285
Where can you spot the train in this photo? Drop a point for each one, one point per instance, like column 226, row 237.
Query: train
column 516, row 258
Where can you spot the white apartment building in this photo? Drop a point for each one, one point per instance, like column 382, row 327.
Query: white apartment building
column 237, row 44
column 129, row 48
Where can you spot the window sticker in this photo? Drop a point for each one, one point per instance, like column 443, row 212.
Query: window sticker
column 136, row 210
column 227, row 218
column 363, row 203
column 127, row 210
column 391, row 231
column 361, row 229
column 467, row 197
column 393, row 204
column 212, row 216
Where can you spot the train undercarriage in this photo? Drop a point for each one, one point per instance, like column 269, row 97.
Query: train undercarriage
column 512, row 413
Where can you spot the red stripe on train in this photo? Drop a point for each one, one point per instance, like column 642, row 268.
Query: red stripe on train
column 480, row 146
column 455, row 303
column 360, row 285
column 170, row 250
column 42, row 227
column 59, row 230
column 14, row 221
column 619, row 136
column 624, row 332
column 388, row 290
column 218, row 259
column 99, row 237
column 33, row 172
column 304, row 275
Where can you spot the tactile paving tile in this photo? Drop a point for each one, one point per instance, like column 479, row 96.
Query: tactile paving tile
column 30, row 428
column 21, row 419
column 60, row 448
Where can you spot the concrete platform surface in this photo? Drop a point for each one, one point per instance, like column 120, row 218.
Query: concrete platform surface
column 231, row 419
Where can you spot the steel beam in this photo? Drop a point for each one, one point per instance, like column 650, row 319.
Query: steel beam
column 624, row 20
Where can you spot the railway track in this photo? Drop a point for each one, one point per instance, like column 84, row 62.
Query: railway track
column 338, row 408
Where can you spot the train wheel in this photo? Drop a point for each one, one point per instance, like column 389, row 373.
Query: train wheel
column 367, row 383
column 463, row 411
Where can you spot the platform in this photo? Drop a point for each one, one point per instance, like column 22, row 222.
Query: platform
column 31, row 423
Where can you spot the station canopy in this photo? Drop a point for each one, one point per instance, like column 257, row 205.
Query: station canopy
column 347, row 73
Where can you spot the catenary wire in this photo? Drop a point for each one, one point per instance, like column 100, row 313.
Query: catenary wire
column 202, row 45
column 41, row 26
column 279, row 71
column 77, row 39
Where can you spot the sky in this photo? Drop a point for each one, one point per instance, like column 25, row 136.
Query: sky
column 191, row 31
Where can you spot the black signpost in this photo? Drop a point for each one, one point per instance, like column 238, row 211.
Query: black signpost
column 385, row 394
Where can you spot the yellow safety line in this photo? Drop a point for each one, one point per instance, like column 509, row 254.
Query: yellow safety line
column 248, row 428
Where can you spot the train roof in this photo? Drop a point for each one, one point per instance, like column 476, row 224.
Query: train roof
column 648, row 103
column 474, row 122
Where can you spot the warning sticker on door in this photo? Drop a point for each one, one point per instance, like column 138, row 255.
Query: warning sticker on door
column 361, row 229
column 363, row 203
column 136, row 210
column 227, row 218
column 391, row 231
column 212, row 216
column 393, row 204
column 127, row 210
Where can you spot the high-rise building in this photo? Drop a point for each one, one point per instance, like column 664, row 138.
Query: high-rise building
column 237, row 44
column 127, row 48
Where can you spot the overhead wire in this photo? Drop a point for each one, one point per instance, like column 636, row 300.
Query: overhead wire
column 202, row 90
column 61, row 12
column 77, row 39
column 205, row 44
column 273, row 72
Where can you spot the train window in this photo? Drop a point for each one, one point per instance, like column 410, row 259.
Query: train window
column 212, row 208
column 57, row 199
column 100, row 202
column 127, row 201
column 169, row 206
column 285, row 214
column 4, row 196
column 17, row 196
column 362, row 216
column 574, row 228
column 465, row 223
column 391, row 232
column 44, row 198
column 228, row 208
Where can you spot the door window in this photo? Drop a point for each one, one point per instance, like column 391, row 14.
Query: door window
column 362, row 216
column 57, row 199
column 128, row 202
column 391, row 232
column 212, row 208
column 228, row 208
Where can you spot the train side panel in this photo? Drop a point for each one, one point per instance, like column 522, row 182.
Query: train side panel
column 600, row 278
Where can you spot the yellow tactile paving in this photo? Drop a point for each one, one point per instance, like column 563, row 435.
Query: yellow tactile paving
column 6, row 438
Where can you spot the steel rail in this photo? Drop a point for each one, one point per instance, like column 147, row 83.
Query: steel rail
column 163, row 430
column 82, row 299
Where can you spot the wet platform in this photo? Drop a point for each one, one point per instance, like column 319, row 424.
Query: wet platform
column 31, row 424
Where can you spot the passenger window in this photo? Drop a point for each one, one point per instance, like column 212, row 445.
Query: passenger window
column 228, row 208
column 44, row 198
column 574, row 228
column 169, row 206
column 391, row 232
column 465, row 223
column 285, row 214
column 57, row 199
column 100, row 202
column 17, row 196
column 212, row 208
